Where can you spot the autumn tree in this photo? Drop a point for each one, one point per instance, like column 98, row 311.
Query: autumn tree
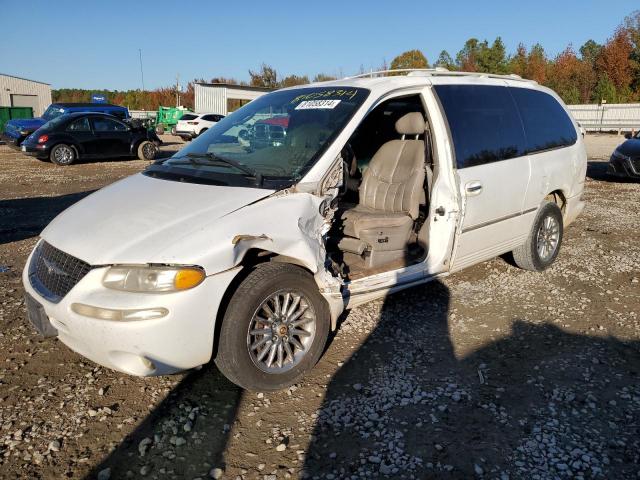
column 265, row 77
column 632, row 26
column 323, row 77
column 614, row 61
column 570, row 77
column 409, row 59
column 293, row 80
column 467, row 58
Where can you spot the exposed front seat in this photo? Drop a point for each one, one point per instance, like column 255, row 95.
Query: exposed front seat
column 391, row 193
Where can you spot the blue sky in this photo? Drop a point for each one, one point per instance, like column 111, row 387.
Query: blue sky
column 89, row 44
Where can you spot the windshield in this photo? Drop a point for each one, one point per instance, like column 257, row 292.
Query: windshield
column 279, row 135
column 52, row 112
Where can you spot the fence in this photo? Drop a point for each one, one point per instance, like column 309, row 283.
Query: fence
column 143, row 113
column 620, row 117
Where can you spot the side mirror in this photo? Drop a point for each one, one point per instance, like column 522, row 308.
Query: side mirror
column 243, row 134
column 628, row 136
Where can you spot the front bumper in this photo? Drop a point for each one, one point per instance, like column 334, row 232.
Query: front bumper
column 624, row 167
column 180, row 340
column 12, row 142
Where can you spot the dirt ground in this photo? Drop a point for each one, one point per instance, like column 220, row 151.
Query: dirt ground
column 492, row 373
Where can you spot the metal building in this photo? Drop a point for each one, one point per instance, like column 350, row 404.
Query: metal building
column 620, row 117
column 21, row 92
column 214, row 97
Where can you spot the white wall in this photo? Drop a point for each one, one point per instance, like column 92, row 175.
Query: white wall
column 13, row 85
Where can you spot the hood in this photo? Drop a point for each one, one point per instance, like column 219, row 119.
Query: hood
column 630, row 148
column 27, row 123
column 135, row 219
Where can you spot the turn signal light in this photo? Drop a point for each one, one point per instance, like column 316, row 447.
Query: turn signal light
column 43, row 138
column 188, row 278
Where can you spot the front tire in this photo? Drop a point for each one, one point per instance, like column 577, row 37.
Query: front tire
column 274, row 329
column 62, row 154
column 147, row 150
column 543, row 243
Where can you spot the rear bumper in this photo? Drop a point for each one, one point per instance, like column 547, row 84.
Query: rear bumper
column 627, row 167
column 575, row 206
column 185, row 133
column 35, row 151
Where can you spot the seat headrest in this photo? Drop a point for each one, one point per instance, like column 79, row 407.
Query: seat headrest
column 410, row 124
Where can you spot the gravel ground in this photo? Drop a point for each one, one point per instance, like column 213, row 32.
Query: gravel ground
column 491, row 373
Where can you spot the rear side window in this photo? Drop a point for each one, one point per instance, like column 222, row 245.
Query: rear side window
column 80, row 125
column 484, row 123
column 188, row 116
column 546, row 123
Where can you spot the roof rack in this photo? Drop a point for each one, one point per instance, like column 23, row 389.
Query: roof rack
column 438, row 72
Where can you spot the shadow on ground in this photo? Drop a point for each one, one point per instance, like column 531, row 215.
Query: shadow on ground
column 23, row 218
column 538, row 403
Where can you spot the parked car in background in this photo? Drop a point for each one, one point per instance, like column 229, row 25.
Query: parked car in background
column 191, row 125
column 16, row 130
column 250, row 255
column 625, row 160
column 73, row 136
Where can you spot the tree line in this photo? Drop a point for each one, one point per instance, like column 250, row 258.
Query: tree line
column 594, row 73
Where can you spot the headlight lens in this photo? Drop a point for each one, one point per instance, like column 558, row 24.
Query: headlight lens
column 153, row 279
column 621, row 156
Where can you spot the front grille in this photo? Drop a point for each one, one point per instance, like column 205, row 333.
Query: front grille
column 54, row 273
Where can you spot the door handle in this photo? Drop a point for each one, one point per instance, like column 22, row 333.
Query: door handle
column 473, row 188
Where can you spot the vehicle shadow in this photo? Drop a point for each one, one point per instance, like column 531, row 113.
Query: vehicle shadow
column 23, row 218
column 538, row 402
column 185, row 436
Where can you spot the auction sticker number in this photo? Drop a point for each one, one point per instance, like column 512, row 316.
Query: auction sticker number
column 314, row 104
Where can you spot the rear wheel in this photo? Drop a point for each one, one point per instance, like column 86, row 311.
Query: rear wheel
column 160, row 129
column 202, row 131
column 173, row 130
column 147, row 150
column 62, row 154
column 543, row 243
column 274, row 329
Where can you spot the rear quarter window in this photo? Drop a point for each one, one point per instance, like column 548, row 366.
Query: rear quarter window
column 546, row 123
column 484, row 123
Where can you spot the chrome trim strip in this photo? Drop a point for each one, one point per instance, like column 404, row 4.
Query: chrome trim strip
column 491, row 222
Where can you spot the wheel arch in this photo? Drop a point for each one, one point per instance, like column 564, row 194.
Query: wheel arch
column 559, row 198
column 250, row 260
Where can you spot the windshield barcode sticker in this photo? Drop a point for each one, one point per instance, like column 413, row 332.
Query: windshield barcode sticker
column 313, row 104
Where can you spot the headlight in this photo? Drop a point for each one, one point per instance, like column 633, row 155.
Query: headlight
column 153, row 279
column 621, row 156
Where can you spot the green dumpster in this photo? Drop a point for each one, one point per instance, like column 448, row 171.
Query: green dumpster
column 167, row 118
column 9, row 113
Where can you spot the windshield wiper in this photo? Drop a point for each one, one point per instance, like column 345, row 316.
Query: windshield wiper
column 212, row 159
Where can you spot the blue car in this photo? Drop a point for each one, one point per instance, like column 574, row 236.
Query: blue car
column 16, row 130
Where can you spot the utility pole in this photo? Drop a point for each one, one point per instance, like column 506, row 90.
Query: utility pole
column 141, row 71
column 177, row 90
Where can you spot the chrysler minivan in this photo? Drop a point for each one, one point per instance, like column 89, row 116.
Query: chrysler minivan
column 248, row 252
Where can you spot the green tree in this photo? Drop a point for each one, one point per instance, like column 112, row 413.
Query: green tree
column 590, row 51
column 605, row 90
column 445, row 61
column 410, row 59
column 467, row 58
column 493, row 59
column 632, row 26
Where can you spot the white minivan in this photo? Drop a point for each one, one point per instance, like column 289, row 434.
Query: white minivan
column 246, row 249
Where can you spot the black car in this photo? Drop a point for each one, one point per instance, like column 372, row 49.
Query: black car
column 69, row 137
column 625, row 160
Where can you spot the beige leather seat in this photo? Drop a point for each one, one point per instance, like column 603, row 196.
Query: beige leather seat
column 391, row 193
